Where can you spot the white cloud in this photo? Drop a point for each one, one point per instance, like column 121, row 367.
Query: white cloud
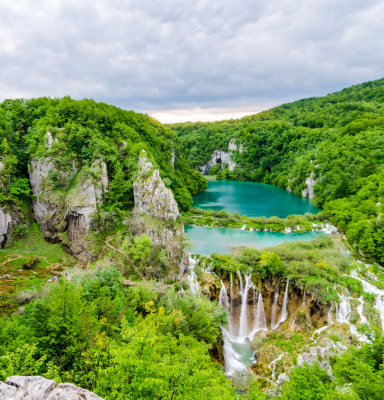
column 189, row 56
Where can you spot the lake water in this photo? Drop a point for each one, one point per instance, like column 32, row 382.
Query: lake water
column 252, row 199
column 208, row 240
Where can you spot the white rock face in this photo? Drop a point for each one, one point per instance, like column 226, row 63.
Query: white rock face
column 309, row 191
column 39, row 388
column 151, row 195
column 5, row 225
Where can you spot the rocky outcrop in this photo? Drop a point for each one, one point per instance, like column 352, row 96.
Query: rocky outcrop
column 64, row 213
column 39, row 388
column 310, row 183
column 222, row 158
column 5, row 226
column 151, row 195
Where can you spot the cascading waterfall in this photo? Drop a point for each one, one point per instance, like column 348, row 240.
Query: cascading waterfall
column 193, row 283
column 360, row 308
column 284, row 313
column 260, row 322
column 369, row 288
column 243, row 329
column 231, row 309
column 343, row 313
column 223, row 297
column 274, row 307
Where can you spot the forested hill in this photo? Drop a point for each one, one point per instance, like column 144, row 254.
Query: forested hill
column 335, row 143
column 92, row 131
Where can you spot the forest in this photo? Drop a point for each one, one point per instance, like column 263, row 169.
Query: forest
column 117, row 315
column 336, row 140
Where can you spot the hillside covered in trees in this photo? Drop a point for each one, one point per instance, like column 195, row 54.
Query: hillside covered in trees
column 92, row 131
column 333, row 143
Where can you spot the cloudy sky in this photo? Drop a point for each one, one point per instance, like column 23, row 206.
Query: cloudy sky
column 183, row 60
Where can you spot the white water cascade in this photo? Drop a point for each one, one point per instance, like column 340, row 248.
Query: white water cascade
column 284, row 313
column 274, row 307
column 369, row 288
column 343, row 313
column 193, row 283
column 288, row 229
column 243, row 329
column 260, row 322
column 231, row 357
column 243, row 227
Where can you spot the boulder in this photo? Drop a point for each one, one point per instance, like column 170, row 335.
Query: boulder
column 31, row 263
column 39, row 388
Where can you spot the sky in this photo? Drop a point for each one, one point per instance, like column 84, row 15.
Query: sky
column 189, row 60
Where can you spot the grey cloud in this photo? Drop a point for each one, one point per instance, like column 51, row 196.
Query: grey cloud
column 175, row 54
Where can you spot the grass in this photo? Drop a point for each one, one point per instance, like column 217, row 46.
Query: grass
column 14, row 278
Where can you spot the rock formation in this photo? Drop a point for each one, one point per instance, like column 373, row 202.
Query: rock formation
column 5, row 226
column 39, row 388
column 309, row 191
column 151, row 195
column 69, row 208
column 222, row 157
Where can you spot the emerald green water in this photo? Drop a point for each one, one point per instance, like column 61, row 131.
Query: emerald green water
column 206, row 240
column 252, row 199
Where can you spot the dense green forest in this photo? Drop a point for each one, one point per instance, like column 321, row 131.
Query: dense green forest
column 92, row 131
column 337, row 140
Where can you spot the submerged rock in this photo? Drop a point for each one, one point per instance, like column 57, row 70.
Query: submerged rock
column 151, row 195
column 39, row 388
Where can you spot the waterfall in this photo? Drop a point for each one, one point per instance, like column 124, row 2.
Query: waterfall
column 360, row 309
column 243, row 227
column 330, row 317
column 284, row 313
column 260, row 323
column 305, row 291
column 274, row 307
column 274, row 364
column 343, row 314
column 231, row 310
column 231, row 358
column 223, row 297
column 344, row 310
column 243, row 329
column 193, row 283
column 369, row 288
column 288, row 229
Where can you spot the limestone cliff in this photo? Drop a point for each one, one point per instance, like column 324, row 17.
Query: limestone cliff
column 222, row 157
column 5, row 226
column 39, row 388
column 64, row 211
column 151, row 195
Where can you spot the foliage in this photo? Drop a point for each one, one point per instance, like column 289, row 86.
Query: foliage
column 83, row 132
column 337, row 140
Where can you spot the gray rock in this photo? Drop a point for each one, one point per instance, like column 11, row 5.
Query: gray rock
column 71, row 212
column 5, row 225
column 282, row 378
column 39, row 388
column 151, row 195
column 309, row 190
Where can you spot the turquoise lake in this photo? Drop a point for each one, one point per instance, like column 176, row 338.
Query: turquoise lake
column 252, row 199
column 220, row 240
